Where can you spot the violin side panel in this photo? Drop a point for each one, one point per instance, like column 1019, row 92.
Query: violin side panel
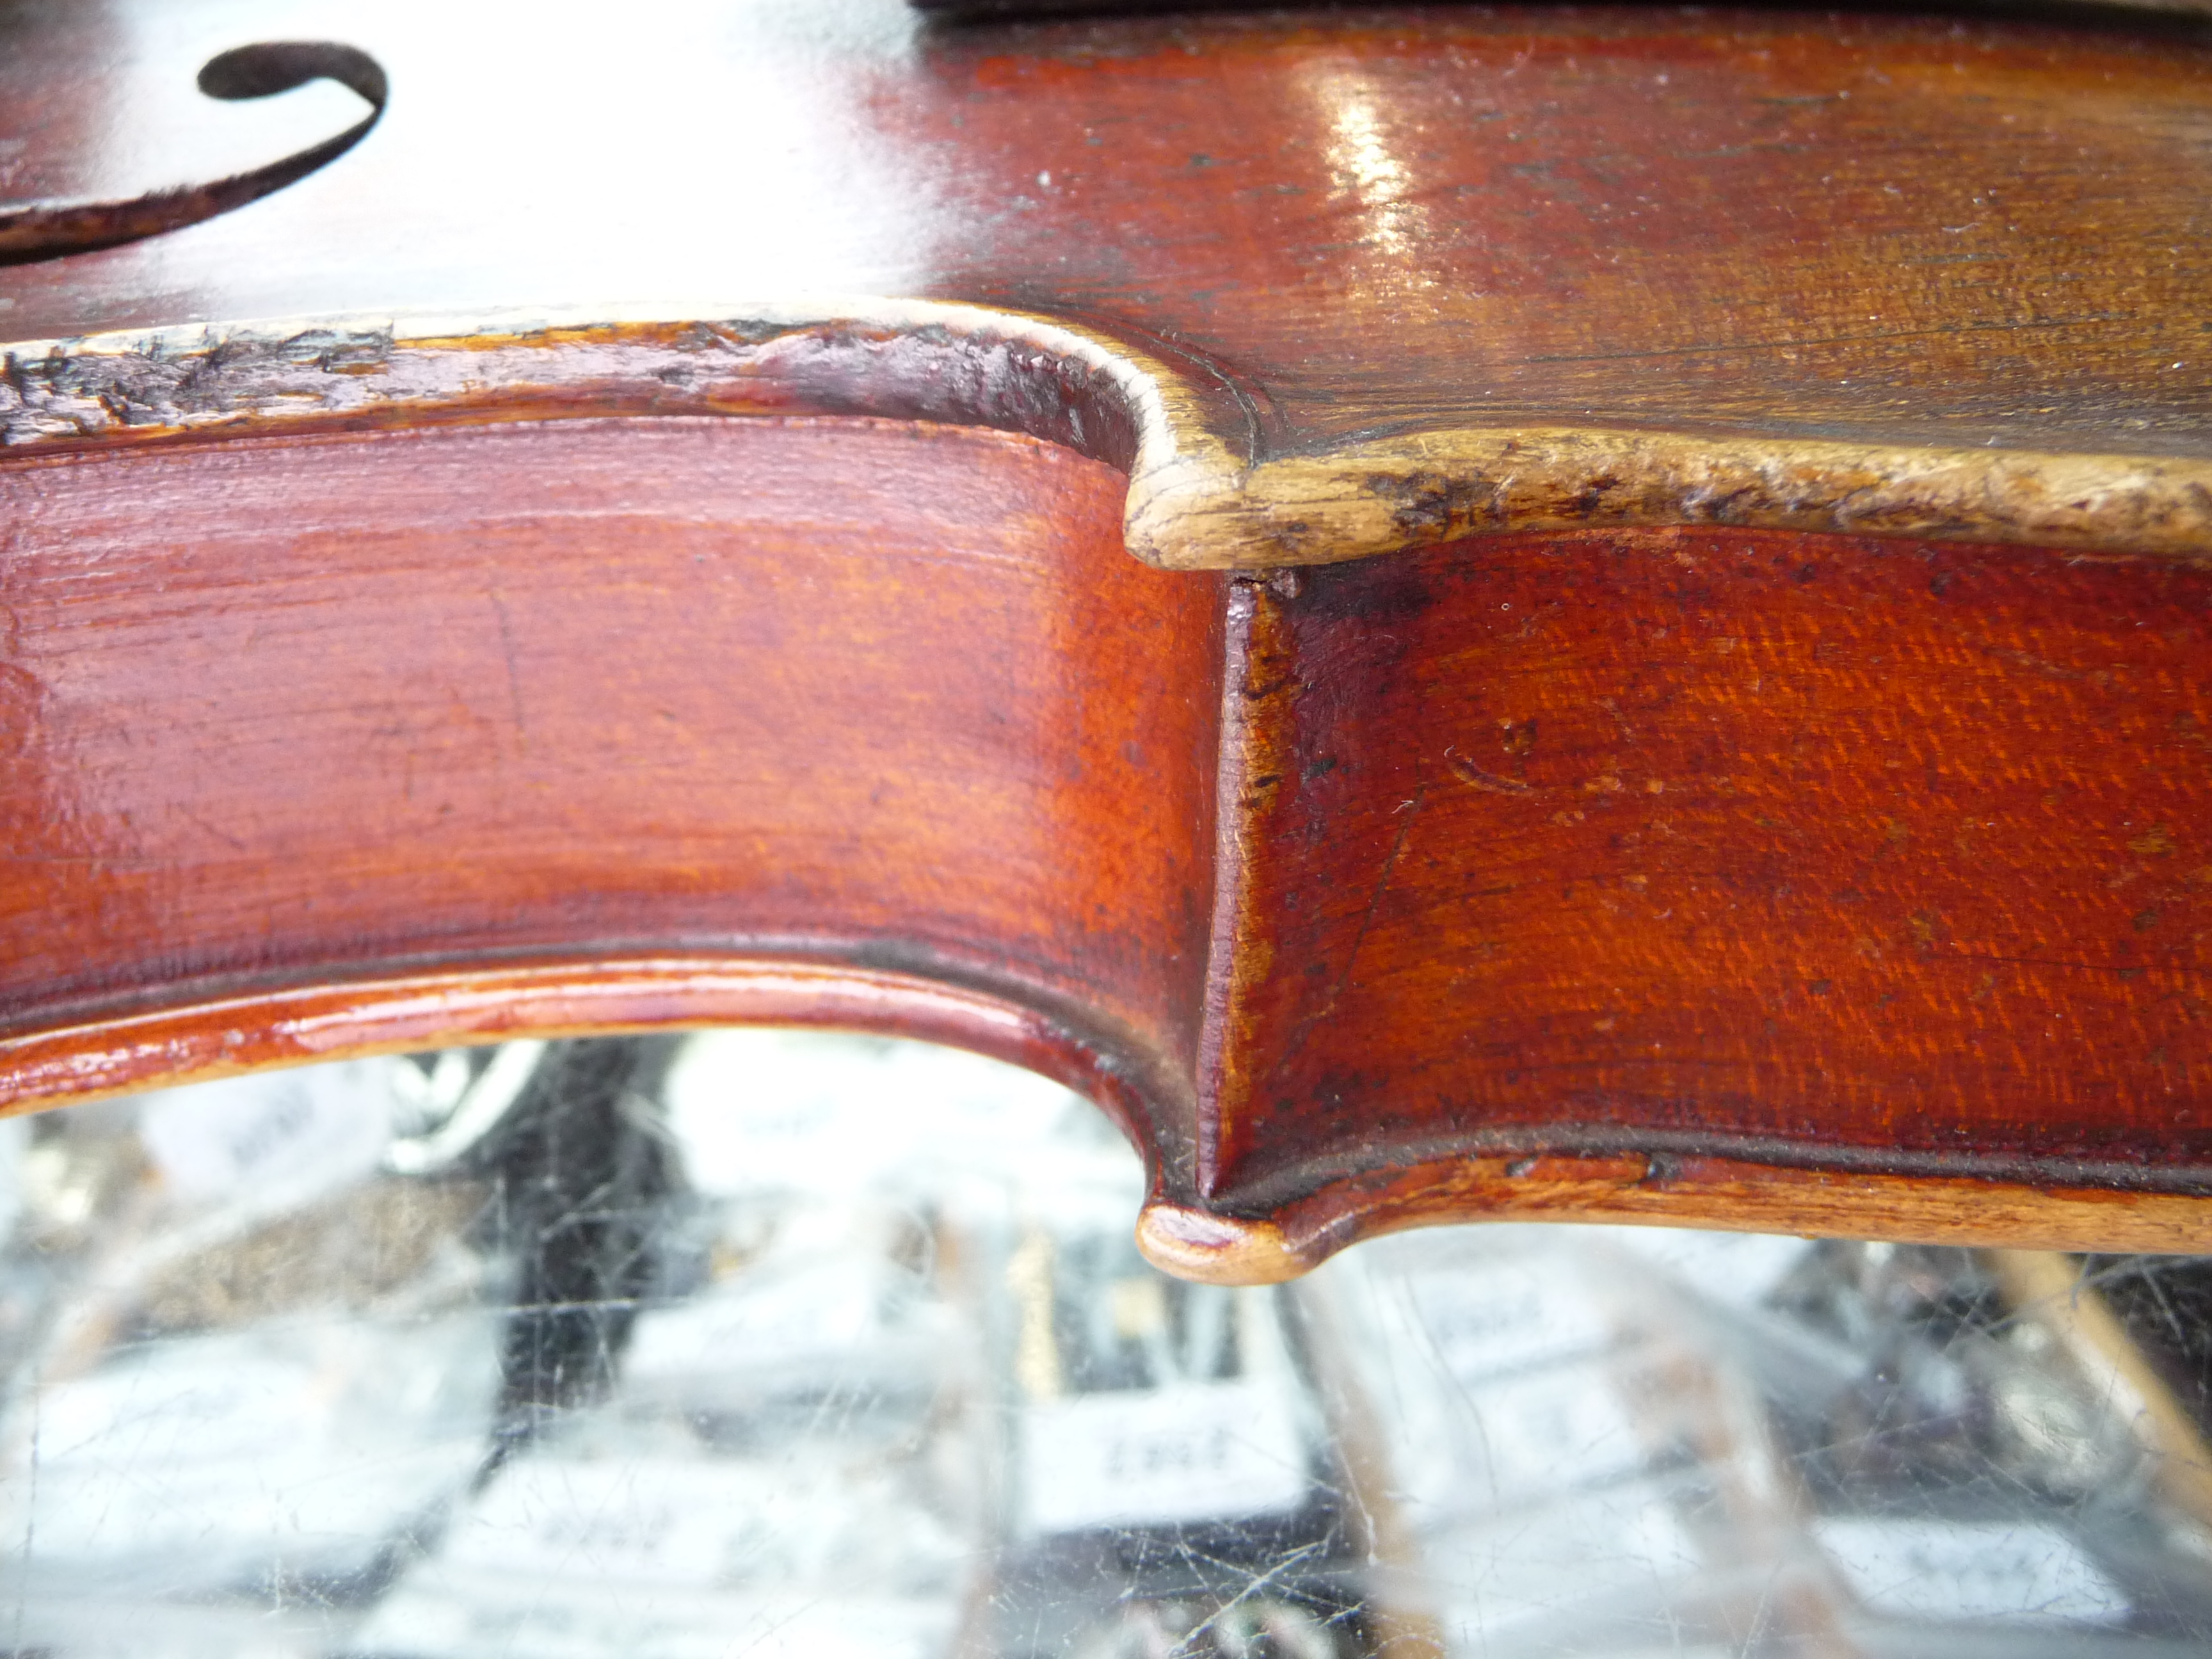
column 1607, row 860
column 390, row 737
column 1824, row 884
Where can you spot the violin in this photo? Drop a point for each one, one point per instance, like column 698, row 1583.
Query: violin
column 1577, row 612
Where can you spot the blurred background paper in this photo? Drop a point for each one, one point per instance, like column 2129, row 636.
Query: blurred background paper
column 792, row 1343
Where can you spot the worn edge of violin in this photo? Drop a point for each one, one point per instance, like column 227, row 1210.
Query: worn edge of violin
column 1202, row 497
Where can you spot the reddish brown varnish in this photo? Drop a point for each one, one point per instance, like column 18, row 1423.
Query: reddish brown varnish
column 1678, row 844
column 1823, row 882
column 347, row 710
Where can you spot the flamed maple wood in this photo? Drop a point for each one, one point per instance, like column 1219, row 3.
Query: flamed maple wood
column 1663, row 676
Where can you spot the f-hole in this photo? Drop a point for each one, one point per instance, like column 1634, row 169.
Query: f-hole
column 49, row 229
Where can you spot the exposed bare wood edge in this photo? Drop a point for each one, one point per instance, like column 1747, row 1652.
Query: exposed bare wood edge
column 1220, row 1059
column 1216, row 1249
column 219, row 1037
column 1390, row 495
column 1735, row 1195
column 1197, row 500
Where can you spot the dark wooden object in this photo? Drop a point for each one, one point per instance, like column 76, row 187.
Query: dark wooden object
column 1676, row 688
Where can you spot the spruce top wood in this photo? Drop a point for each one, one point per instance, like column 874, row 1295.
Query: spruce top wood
column 1745, row 759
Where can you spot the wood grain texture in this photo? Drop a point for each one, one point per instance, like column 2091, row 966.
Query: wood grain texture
column 1202, row 1243
column 1760, row 776
column 597, row 993
column 1723, row 844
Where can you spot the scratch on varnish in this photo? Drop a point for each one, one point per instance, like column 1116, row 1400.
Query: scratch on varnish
column 215, row 831
column 1475, row 778
column 513, row 678
column 1413, row 810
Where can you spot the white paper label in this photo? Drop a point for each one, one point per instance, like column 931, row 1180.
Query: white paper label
column 307, row 1443
column 703, row 1522
column 1737, row 1270
column 821, row 1315
column 627, row 1519
column 447, row 1615
column 1554, row 1430
column 1510, row 1315
column 1921, row 1569
column 1554, row 1562
column 283, row 1136
column 1200, row 1451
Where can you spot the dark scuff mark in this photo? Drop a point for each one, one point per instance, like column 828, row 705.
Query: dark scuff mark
column 1436, row 506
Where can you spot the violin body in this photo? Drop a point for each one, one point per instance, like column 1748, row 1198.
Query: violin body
column 1452, row 612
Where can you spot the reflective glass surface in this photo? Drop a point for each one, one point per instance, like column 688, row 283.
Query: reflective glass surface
column 766, row 1343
